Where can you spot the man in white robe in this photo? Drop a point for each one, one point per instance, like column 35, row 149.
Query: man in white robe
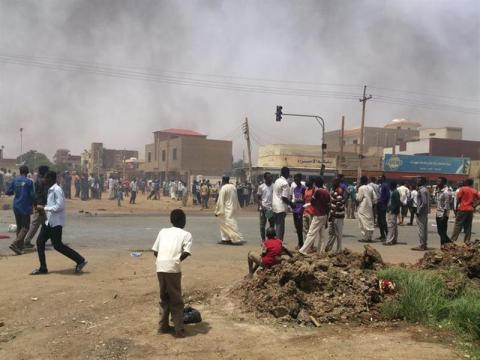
column 365, row 199
column 226, row 208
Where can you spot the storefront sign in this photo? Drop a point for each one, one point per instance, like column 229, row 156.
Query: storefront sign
column 426, row 164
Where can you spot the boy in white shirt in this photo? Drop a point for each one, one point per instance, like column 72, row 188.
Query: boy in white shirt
column 173, row 245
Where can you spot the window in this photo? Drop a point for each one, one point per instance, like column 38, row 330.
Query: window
column 355, row 142
column 163, row 155
column 149, row 156
column 174, row 154
column 432, row 134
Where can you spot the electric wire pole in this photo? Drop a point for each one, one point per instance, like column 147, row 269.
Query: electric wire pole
column 363, row 100
column 246, row 133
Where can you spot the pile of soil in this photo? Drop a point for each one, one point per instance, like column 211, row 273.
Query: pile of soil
column 323, row 288
column 464, row 257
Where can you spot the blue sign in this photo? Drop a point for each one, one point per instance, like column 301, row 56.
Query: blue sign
column 426, row 164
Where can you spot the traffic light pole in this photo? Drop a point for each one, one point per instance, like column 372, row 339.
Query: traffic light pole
column 321, row 122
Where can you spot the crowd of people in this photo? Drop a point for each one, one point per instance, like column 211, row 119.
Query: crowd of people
column 45, row 199
column 319, row 209
column 318, row 214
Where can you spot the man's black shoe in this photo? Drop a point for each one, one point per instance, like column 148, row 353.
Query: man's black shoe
column 15, row 249
column 39, row 272
column 79, row 267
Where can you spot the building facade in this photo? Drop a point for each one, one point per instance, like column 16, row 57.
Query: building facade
column 62, row 157
column 100, row 160
column 176, row 153
column 375, row 138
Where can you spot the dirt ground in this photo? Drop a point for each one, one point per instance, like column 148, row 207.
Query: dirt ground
column 111, row 312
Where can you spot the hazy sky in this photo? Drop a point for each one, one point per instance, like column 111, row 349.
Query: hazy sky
column 77, row 71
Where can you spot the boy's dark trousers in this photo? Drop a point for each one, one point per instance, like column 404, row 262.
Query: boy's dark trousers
column 133, row 197
column 442, row 226
column 55, row 234
column 171, row 301
column 298, row 222
column 382, row 221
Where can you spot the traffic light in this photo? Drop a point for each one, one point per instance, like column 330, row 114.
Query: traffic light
column 279, row 113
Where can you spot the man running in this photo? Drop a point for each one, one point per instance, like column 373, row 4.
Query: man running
column 39, row 215
column 23, row 189
column 53, row 226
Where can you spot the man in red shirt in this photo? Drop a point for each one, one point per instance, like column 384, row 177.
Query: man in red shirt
column 467, row 197
column 272, row 251
column 321, row 208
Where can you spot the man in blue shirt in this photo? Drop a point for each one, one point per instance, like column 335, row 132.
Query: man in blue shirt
column 382, row 206
column 22, row 188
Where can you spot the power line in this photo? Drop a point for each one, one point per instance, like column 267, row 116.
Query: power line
column 122, row 73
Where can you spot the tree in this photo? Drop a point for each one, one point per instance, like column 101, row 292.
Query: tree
column 33, row 159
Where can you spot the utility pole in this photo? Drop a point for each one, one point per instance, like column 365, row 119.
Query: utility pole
column 246, row 133
column 342, row 136
column 363, row 100
column 21, row 145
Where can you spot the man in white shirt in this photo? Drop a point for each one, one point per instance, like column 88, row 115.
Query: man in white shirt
column 281, row 201
column 133, row 189
column 173, row 245
column 265, row 196
column 404, row 196
column 52, row 228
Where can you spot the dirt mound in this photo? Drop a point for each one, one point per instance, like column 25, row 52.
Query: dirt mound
column 320, row 289
column 466, row 258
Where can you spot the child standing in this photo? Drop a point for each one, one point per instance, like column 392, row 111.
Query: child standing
column 172, row 246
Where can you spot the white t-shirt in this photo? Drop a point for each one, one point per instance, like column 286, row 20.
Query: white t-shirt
column 280, row 189
column 170, row 244
column 414, row 194
column 266, row 192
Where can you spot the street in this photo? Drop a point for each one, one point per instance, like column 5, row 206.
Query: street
column 133, row 232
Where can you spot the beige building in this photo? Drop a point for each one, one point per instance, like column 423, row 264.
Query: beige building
column 375, row 138
column 310, row 157
column 69, row 161
column 475, row 172
column 453, row 133
column 178, row 152
column 100, row 160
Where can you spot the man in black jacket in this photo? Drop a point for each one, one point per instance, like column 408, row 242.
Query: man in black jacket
column 39, row 216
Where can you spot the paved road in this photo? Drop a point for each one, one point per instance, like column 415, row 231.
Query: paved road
column 139, row 232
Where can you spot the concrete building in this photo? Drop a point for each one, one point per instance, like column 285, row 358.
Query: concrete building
column 307, row 159
column 62, row 157
column 100, row 160
column 175, row 153
column 453, row 133
column 375, row 138
column 439, row 147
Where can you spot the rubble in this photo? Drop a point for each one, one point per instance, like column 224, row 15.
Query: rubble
column 464, row 257
column 323, row 288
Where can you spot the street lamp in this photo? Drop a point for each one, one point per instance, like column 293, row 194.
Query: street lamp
column 320, row 122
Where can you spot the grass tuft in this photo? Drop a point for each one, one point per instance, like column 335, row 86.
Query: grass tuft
column 436, row 298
